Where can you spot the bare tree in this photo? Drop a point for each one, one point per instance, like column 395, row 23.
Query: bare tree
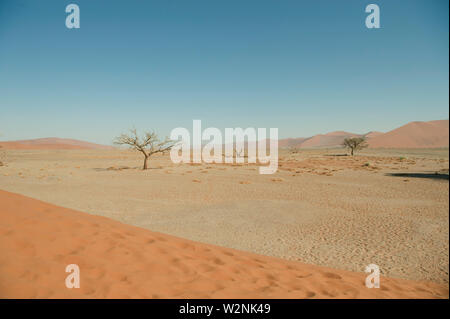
column 355, row 144
column 148, row 144
column 239, row 152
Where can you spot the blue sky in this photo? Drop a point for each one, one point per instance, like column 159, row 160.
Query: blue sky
column 306, row 67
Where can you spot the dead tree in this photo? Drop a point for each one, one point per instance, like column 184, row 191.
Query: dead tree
column 239, row 153
column 148, row 144
column 355, row 144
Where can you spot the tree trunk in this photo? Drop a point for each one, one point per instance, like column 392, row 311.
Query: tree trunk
column 145, row 162
column 352, row 151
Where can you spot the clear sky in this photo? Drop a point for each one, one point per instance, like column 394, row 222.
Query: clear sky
column 306, row 67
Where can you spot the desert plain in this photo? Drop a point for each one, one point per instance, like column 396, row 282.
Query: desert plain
column 314, row 225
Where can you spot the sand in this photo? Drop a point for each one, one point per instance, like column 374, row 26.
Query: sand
column 39, row 240
column 432, row 134
column 387, row 207
column 51, row 143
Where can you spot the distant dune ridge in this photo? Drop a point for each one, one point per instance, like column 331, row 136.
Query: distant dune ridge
column 414, row 135
column 373, row 134
column 52, row 143
column 329, row 139
column 432, row 134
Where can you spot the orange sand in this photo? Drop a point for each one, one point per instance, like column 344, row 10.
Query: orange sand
column 28, row 146
column 52, row 143
column 414, row 135
column 432, row 134
column 39, row 240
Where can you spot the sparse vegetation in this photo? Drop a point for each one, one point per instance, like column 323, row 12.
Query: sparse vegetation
column 148, row 145
column 239, row 152
column 355, row 144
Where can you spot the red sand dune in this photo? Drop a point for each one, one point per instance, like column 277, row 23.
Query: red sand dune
column 332, row 139
column 39, row 240
column 373, row 134
column 52, row 143
column 431, row 134
column 339, row 133
column 291, row 142
column 414, row 135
